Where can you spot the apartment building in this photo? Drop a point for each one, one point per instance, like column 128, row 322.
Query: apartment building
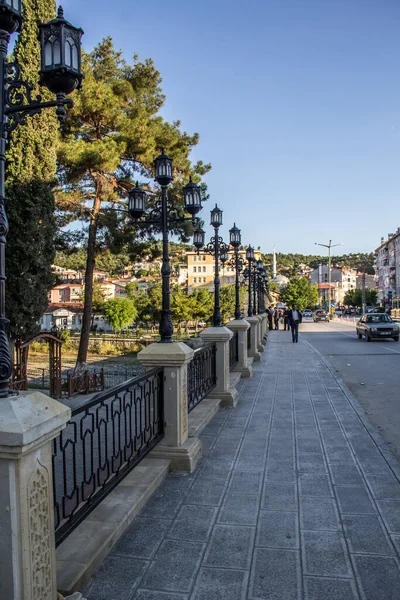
column 201, row 269
column 343, row 280
column 387, row 268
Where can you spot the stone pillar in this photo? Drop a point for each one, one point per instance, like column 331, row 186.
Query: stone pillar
column 264, row 330
column 222, row 391
column 183, row 452
column 253, row 350
column 28, row 423
column 260, row 345
column 241, row 326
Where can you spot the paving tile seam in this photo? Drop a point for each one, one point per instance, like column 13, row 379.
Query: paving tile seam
column 222, row 501
column 372, row 498
column 344, row 540
column 352, row 402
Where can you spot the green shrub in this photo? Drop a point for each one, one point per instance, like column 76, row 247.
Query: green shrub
column 39, row 347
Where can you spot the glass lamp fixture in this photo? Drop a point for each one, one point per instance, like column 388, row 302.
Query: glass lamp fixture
column 11, row 15
column 192, row 198
column 137, row 202
column 216, row 217
column 199, row 238
column 235, row 237
column 163, row 169
column 250, row 253
column 60, row 44
column 223, row 255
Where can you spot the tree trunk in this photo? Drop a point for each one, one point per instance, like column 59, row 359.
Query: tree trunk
column 88, row 302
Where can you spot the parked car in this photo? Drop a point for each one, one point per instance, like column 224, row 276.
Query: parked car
column 377, row 326
column 321, row 315
column 307, row 313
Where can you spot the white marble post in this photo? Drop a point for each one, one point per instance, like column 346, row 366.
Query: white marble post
column 28, row 423
column 183, row 452
column 221, row 337
column 253, row 350
column 264, row 324
column 241, row 326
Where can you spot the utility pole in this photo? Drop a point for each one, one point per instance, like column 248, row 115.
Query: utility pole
column 329, row 246
column 363, row 289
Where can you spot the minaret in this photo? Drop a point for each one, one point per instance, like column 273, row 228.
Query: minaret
column 274, row 264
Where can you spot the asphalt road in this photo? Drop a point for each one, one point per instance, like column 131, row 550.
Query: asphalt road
column 370, row 370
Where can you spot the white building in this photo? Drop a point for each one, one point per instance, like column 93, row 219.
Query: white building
column 343, row 280
column 387, row 268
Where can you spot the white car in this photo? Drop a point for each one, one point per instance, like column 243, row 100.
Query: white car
column 307, row 314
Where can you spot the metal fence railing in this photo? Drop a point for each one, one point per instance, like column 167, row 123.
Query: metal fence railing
column 234, row 351
column 249, row 338
column 202, row 376
column 104, row 440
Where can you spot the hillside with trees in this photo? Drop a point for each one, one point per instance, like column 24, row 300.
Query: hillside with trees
column 288, row 264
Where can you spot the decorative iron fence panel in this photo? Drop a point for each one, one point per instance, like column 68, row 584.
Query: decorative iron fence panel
column 104, row 440
column 233, row 351
column 202, row 375
column 249, row 338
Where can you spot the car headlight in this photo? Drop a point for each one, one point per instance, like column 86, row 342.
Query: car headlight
column 395, row 328
column 374, row 329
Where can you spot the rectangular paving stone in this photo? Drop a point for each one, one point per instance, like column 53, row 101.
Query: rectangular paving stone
column 277, row 529
column 206, row 492
column 174, row 566
column 379, row 576
column 390, row 511
column 163, row 504
column 220, row 584
column 325, row 588
column 339, row 454
column 239, row 509
column 354, row 500
column 275, row 575
column 314, row 484
column 283, row 471
column 279, row 496
column 384, row 487
column 230, row 547
column 216, row 469
column 116, row 578
column 318, row 514
column 245, row 482
column 365, row 534
column 345, row 475
column 153, row 595
column 193, row 523
column 142, row 538
column 324, row 554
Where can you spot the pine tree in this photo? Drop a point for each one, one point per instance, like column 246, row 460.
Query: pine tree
column 30, row 174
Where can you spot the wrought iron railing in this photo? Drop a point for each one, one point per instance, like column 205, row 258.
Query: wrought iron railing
column 202, row 375
column 249, row 338
column 233, row 351
column 104, row 440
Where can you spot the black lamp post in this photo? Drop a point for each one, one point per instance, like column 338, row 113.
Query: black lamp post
column 235, row 239
column 258, row 269
column 60, row 45
column 217, row 248
column 166, row 214
column 250, row 260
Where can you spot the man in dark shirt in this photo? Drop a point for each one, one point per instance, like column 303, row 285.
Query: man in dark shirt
column 295, row 318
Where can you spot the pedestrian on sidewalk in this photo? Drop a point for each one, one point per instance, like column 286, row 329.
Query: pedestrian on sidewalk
column 286, row 320
column 295, row 317
column 276, row 318
column 270, row 317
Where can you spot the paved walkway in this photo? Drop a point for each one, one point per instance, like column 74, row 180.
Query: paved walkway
column 296, row 498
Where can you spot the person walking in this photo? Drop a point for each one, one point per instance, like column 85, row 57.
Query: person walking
column 276, row 318
column 270, row 317
column 286, row 320
column 295, row 318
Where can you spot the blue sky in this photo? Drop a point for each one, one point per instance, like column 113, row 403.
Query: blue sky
column 297, row 103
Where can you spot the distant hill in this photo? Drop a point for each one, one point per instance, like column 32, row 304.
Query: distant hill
column 288, row 264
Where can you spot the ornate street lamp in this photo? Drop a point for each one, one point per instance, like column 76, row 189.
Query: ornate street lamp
column 235, row 240
column 60, row 45
column 166, row 213
column 217, row 248
column 248, row 272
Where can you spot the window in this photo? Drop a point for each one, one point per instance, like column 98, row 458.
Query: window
column 204, row 257
column 194, row 269
column 194, row 258
column 204, row 269
column 194, row 279
column 204, row 279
